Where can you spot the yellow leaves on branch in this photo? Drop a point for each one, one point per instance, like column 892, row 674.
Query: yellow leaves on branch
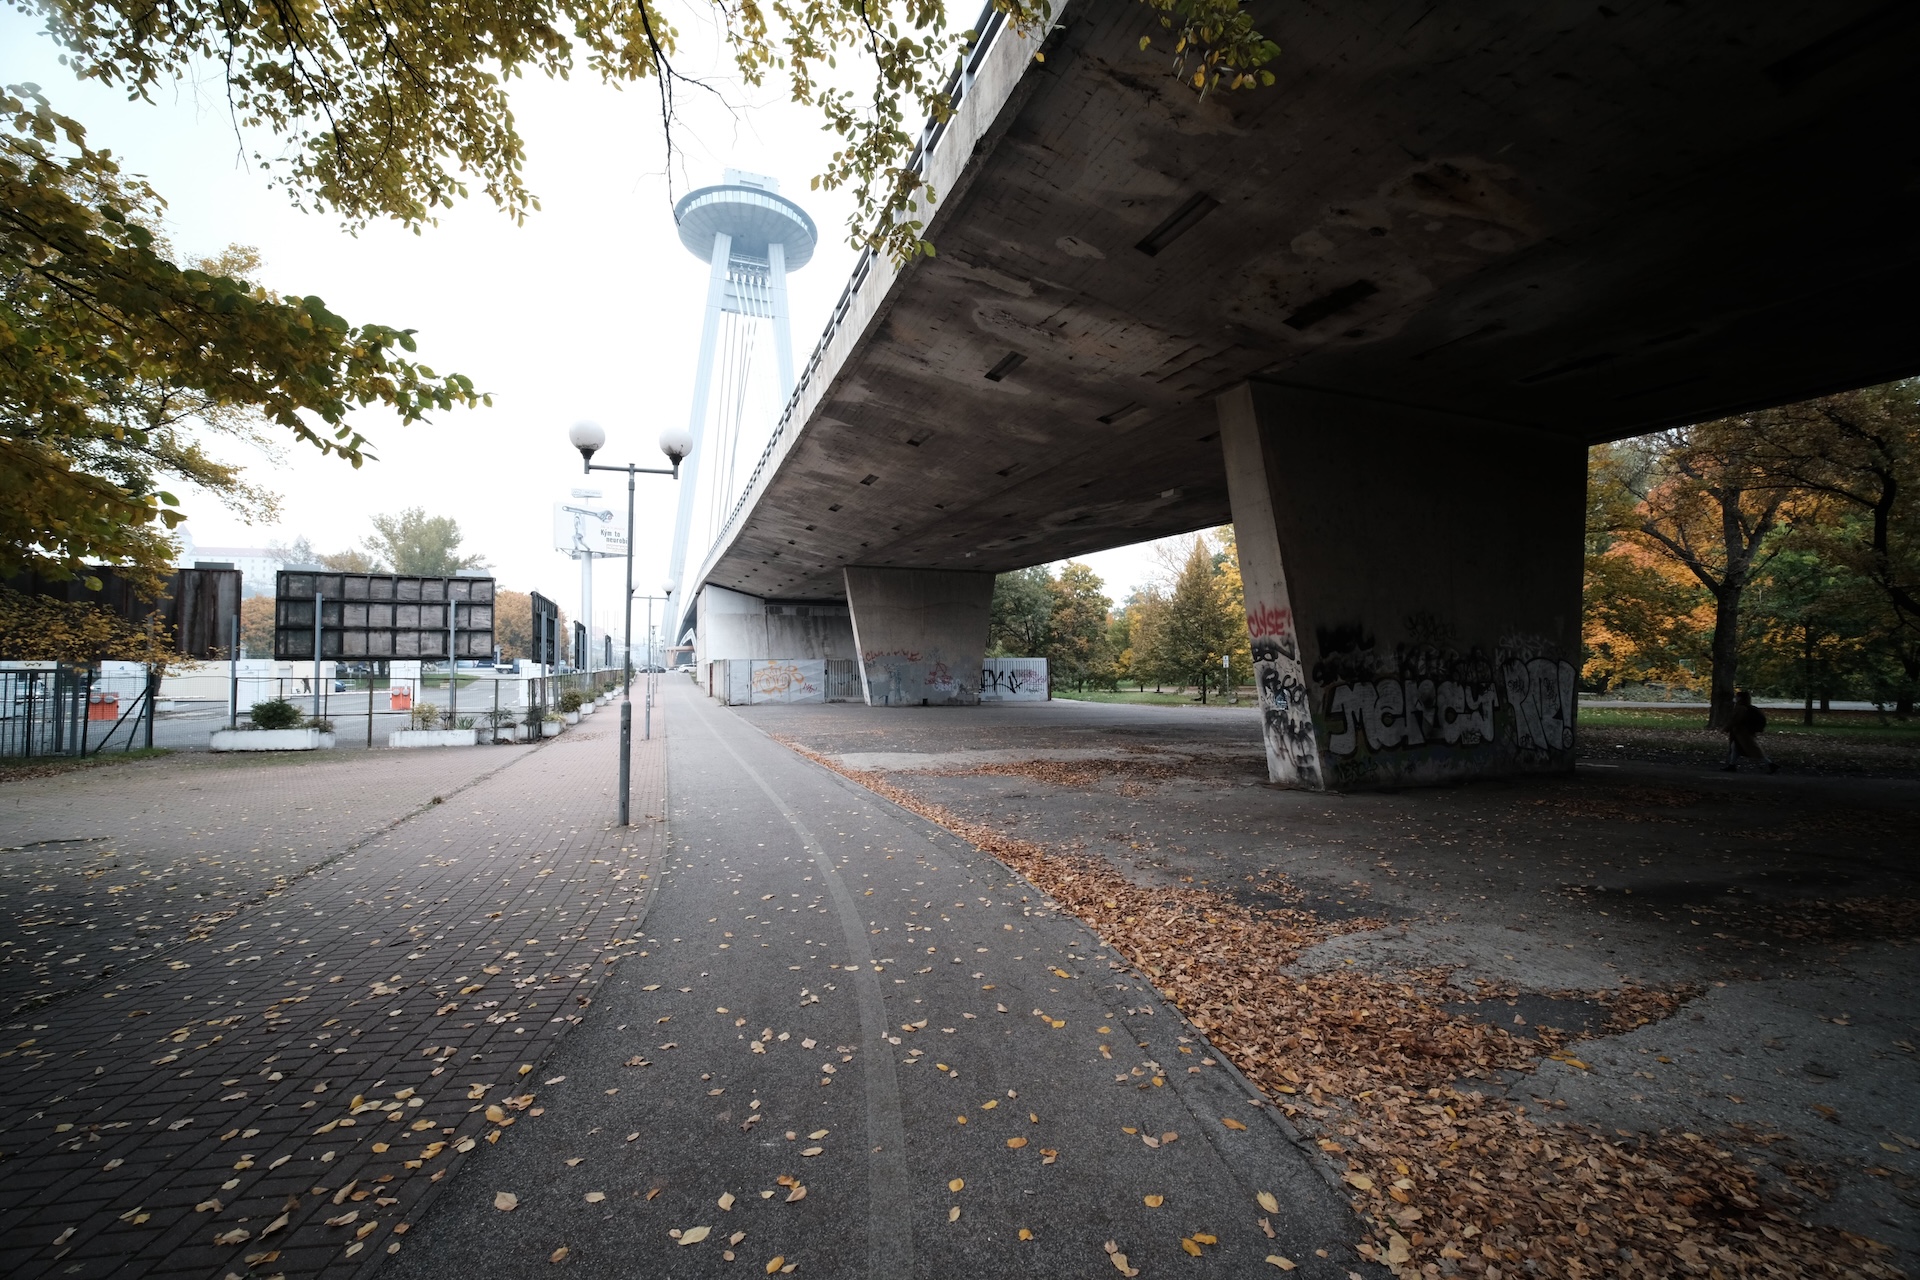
column 40, row 628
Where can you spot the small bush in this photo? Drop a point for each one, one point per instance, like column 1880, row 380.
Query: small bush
column 499, row 716
column 323, row 725
column 571, row 700
column 425, row 716
column 465, row 722
column 277, row 713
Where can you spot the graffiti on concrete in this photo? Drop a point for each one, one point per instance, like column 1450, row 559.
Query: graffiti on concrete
column 1010, row 677
column 778, row 679
column 1426, row 692
column 1286, row 713
column 904, row 677
column 882, row 655
column 1013, row 680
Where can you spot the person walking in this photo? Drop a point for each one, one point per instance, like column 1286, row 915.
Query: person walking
column 1743, row 734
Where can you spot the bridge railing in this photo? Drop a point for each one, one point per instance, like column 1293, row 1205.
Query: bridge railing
column 958, row 85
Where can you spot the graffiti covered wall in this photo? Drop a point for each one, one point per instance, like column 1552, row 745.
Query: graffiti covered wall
column 1014, row 680
column 1426, row 710
column 754, row 681
column 922, row 634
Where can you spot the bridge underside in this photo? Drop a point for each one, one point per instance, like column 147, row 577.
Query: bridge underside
column 1584, row 222
column 1518, row 231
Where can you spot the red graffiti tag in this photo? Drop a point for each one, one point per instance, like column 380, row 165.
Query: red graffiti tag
column 1269, row 621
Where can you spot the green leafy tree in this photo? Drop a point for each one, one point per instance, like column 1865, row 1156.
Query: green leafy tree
column 110, row 353
column 1076, row 649
column 1020, row 620
column 1191, row 623
column 352, row 560
column 415, row 542
column 1857, row 455
column 1705, row 504
column 1120, row 645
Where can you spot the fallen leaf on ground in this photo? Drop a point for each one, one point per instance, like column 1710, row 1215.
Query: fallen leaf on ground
column 1285, row 1264
column 505, row 1201
column 595, row 1197
column 776, row 1262
column 956, row 1184
column 1268, row 1201
column 1016, row 1143
column 1154, row 1202
column 726, row 1200
column 1231, row 1123
column 694, row 1235
column 953, row 1214
column 558, row 1255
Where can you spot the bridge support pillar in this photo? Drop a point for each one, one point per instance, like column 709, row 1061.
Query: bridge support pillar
column 921, row 633
column 1412, row 587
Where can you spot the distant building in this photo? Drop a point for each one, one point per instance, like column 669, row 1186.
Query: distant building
column 257, row 565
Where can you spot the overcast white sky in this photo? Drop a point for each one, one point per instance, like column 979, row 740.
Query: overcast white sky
column 590, row 310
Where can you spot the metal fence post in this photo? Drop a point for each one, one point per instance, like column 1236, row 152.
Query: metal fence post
column 317, row 602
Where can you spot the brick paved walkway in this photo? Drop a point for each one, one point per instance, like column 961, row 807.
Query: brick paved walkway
column 282, row 1088
column 106, row 866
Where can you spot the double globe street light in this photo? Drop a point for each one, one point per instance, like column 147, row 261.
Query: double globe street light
column 676, row 443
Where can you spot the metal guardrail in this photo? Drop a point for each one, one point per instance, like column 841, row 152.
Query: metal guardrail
column 991, row 23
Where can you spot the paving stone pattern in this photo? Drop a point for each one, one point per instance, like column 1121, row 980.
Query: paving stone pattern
column 107, row 866
column 283, row 1092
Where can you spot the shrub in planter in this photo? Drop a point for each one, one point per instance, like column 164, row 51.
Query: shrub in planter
column 571, row 700
column 464, row 722
column 277, row 713
column 324, row 726
column 425, row 716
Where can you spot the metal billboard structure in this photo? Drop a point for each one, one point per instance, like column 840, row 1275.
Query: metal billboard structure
column 381, row 616
column 546, row 631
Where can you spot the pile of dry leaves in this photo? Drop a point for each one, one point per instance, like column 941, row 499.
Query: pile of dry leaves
column 1448, row 1182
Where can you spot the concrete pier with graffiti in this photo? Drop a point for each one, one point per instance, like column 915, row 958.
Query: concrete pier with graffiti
column 1412, row 585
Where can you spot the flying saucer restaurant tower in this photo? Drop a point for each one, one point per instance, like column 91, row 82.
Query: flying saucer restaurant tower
column 752, row 236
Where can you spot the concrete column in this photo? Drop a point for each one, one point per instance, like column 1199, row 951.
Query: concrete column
column 1412, row 588
column 922, row 634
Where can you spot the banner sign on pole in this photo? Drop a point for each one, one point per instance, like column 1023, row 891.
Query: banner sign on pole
column 586, row 527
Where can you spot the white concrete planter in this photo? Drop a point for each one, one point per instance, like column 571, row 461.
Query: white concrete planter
column 432, row 738
column 588, row 708
column 571, row 717
column 551, row 728
column 270, row 740
column 509, row 733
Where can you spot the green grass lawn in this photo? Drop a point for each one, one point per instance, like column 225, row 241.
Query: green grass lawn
column 1148, row 698
column 1853, row 726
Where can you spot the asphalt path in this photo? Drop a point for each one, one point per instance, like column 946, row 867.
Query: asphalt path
column 853, row 1045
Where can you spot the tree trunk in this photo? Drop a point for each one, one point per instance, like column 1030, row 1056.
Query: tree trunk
column 1806, row 653
column 1725, row 653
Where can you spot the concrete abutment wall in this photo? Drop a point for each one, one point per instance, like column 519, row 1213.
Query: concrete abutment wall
column 922, row 634
column 1412, row 587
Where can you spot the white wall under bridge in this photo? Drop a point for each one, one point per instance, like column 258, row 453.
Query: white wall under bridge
column 733, row 624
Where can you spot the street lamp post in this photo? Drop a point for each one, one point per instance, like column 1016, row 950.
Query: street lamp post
column 676, row 443
column 649, row 682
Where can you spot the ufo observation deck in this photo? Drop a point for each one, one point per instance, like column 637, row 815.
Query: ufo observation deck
column 753, row 217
